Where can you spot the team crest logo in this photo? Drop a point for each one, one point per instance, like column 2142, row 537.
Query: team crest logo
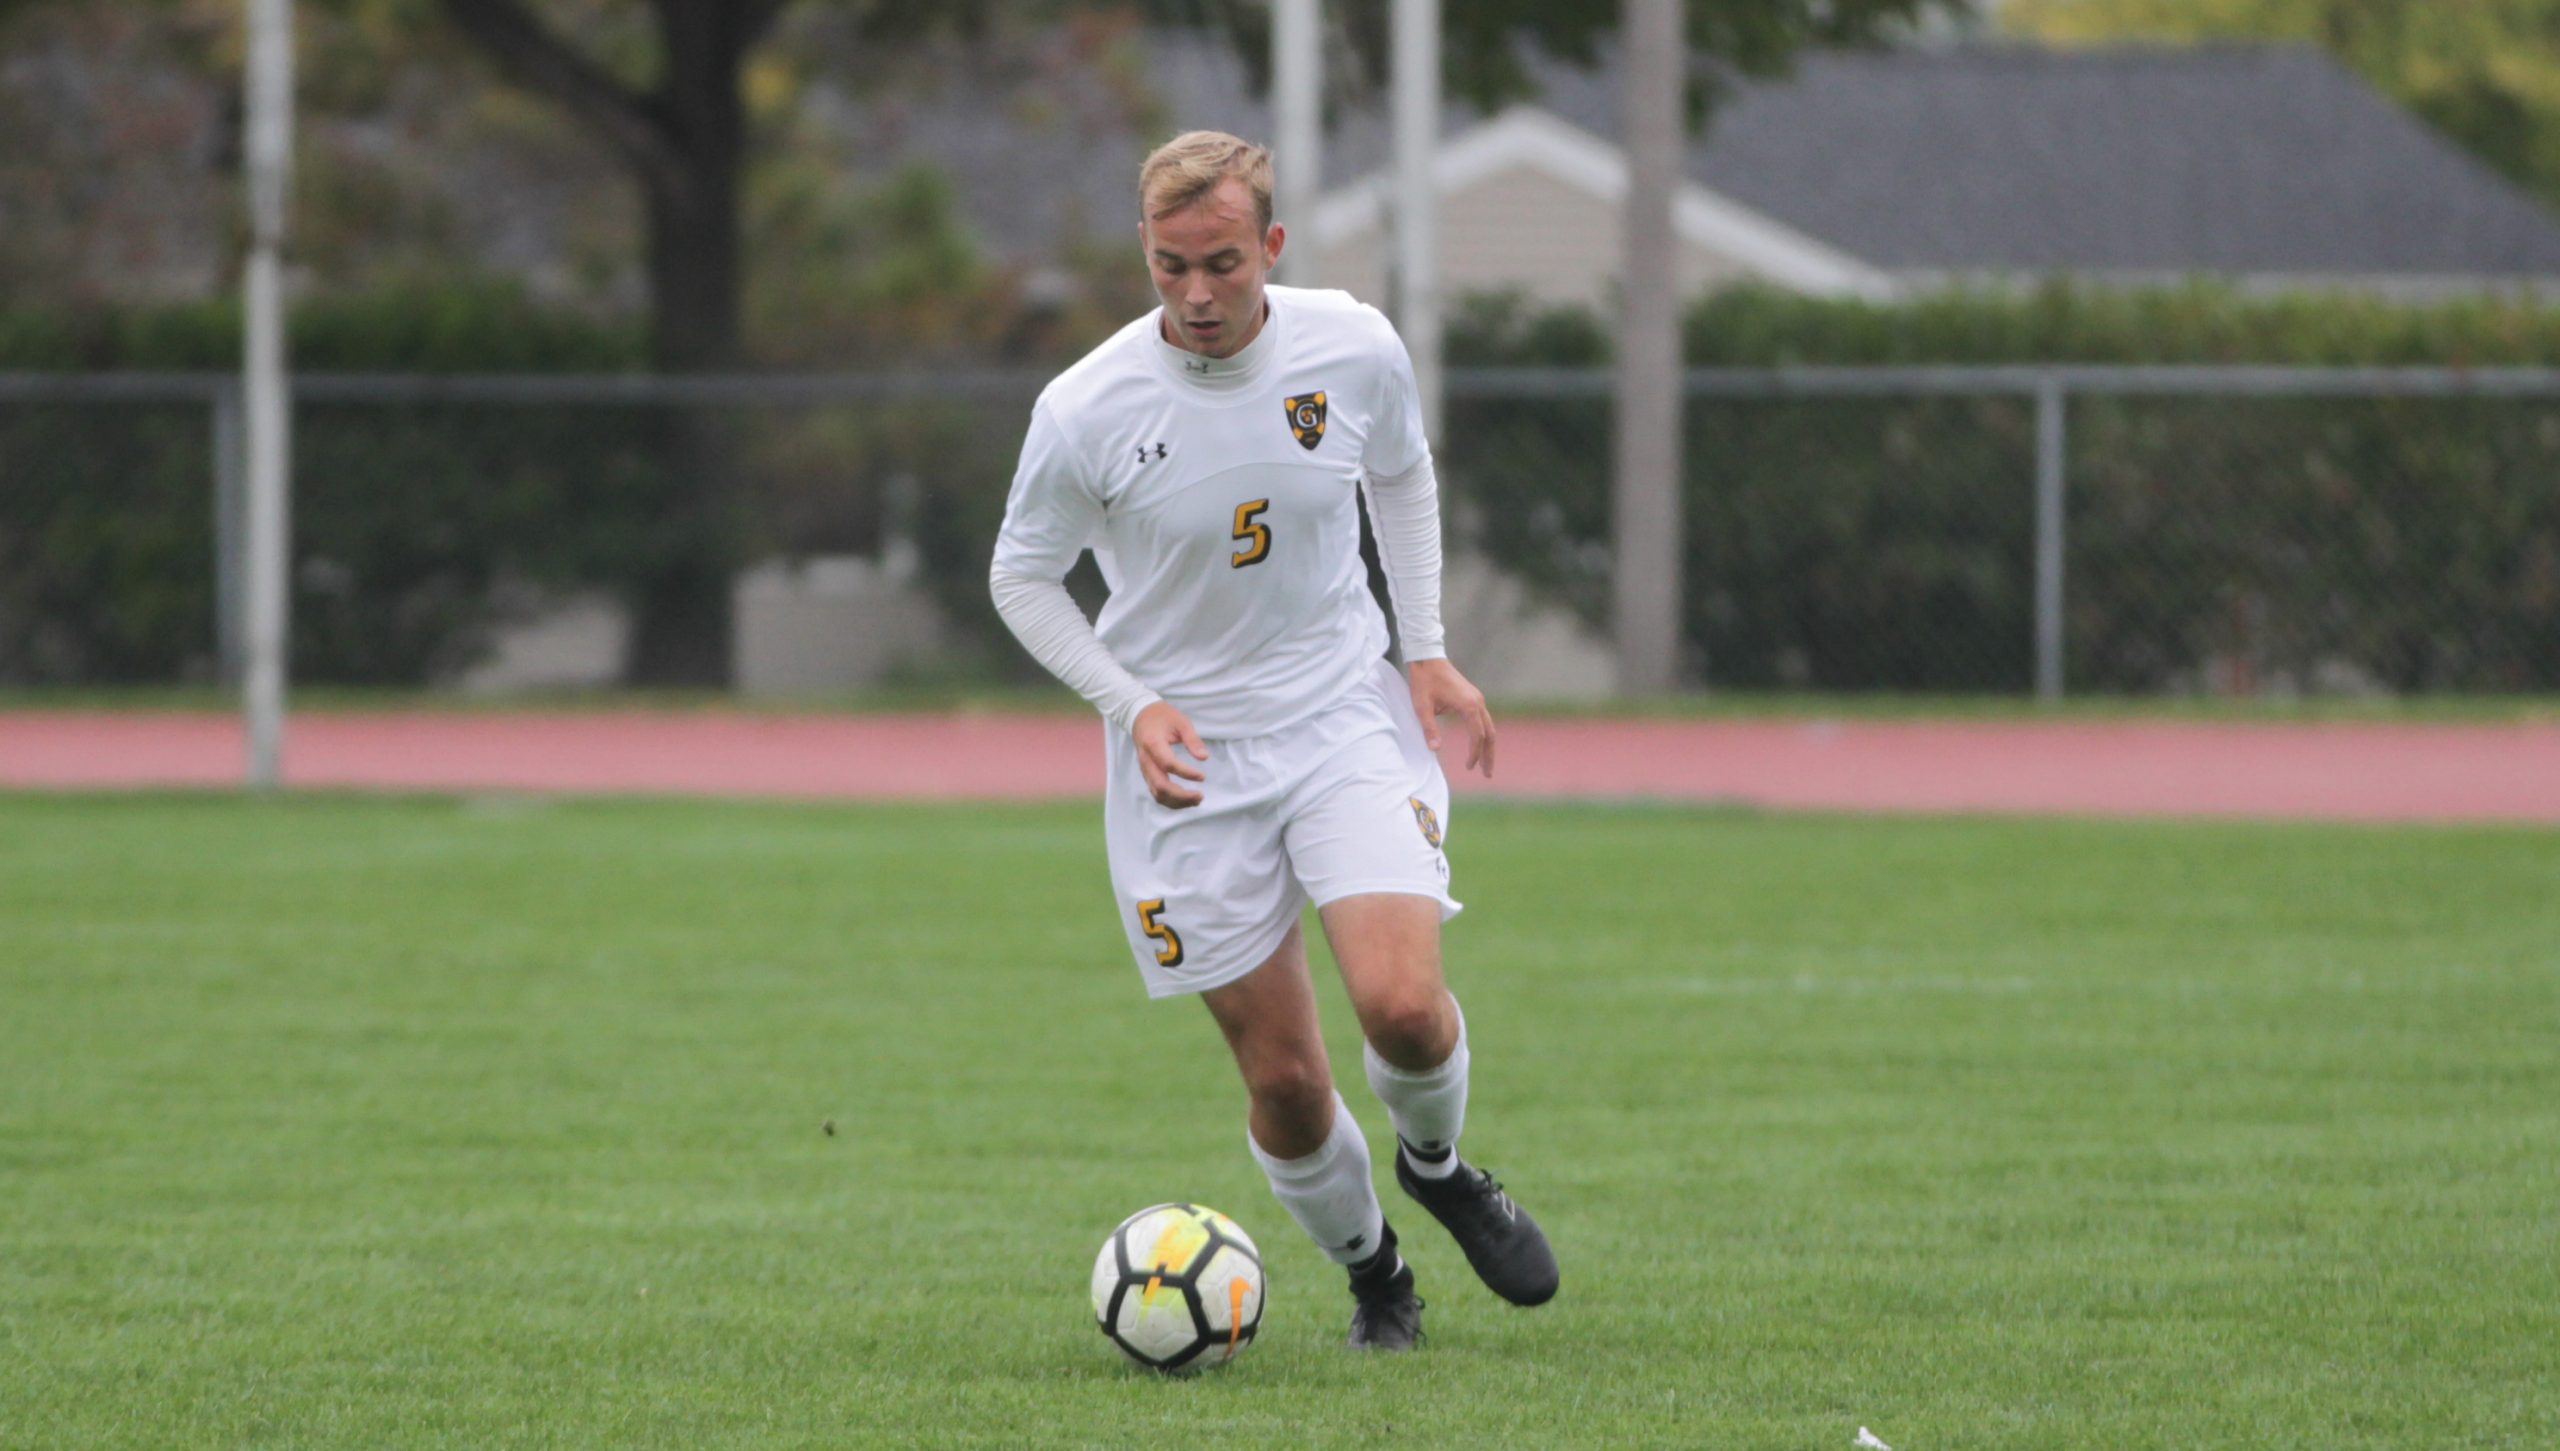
column 1306, row 418
column 1428, row 820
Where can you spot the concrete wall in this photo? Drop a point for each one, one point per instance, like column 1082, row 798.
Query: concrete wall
column 1514, row 647
column 581, row 642
column 829, row 625
column 814, row 627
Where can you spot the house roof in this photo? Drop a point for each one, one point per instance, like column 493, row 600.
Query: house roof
column 2252, row 160
column 2263, row 159
column 2248, row 159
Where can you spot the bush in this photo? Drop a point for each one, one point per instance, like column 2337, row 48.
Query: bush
column 1836, row 544
column 2213, row 543
column 406, row 520
column 418, row 528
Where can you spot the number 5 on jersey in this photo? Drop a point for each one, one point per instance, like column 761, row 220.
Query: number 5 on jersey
column 1253, row 534
column 1169, row 943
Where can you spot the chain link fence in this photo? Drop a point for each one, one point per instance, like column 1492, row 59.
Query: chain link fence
column 2232, row 531
column 1995, row 530
column 784, row 534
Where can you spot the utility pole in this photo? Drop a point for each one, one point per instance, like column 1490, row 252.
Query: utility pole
column 1297, row 86
column 266, row 388
column 1647, row 524
column 1416, row 75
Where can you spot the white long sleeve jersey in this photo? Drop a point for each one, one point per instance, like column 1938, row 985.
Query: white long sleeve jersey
column 1219, row 496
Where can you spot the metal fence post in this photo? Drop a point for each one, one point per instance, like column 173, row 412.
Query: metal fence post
column 2050, row 407
column 230, row 530
column 1414, row 59
column 267, row 391
column 1297, row 102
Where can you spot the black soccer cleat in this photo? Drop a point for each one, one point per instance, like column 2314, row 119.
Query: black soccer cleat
column 1385, row 1314
column 1502, row 1243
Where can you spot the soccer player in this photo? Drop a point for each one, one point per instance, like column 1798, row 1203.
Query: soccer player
column 1262, row 752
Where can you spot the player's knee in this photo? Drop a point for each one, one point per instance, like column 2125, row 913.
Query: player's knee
column 1411, row 1029
column 1293, row 1089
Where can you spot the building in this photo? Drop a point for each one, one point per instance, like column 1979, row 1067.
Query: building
column 1863, row 173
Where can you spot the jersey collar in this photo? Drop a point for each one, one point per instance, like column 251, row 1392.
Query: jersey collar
column 1231, row 374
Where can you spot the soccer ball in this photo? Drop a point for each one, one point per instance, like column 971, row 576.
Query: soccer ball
column 1178, row 1287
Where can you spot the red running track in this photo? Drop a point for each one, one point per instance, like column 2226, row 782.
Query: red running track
column 2348, row 772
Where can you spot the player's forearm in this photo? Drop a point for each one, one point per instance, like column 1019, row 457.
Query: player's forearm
column 1045, row 618
column 1404, row 512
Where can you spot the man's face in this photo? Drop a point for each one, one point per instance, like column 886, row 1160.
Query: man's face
column 1209, row 265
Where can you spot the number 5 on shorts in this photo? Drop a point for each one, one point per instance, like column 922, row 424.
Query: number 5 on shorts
column 1169, row 953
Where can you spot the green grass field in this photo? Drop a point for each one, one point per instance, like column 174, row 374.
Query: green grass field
column 370, row 1123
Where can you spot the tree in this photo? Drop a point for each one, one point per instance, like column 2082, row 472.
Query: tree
column 1481, row 39
column 2485, row 72
column 683, row 137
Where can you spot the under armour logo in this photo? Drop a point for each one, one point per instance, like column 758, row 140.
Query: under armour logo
column 1142, row 452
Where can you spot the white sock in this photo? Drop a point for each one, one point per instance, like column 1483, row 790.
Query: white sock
column 1429, row 1106
column 1329, row 1192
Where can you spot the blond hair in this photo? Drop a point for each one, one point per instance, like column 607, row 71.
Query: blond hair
column 1186, row 169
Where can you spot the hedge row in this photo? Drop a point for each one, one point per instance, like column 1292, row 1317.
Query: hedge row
column 1761, row 327
column 466, row 327
column 410, row 525
column 2212, row 544
column 1842, row 544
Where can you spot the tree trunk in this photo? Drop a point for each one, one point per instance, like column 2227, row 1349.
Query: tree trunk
column 694, row 268
column 1648, row 527
column 680, row 604
column 685, row 141
column 681, row 607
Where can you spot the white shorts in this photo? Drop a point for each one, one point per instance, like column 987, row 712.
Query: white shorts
column 1346, row 802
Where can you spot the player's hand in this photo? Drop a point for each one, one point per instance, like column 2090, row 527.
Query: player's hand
column 1162, row 734
column 1438, row 690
